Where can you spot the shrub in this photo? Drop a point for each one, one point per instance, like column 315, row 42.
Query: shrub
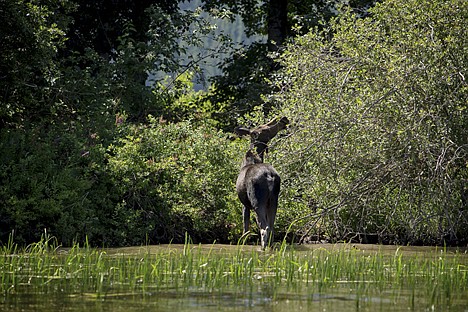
column 44, row 185
column 175, row 179
column 378, row 145
column 154, row 184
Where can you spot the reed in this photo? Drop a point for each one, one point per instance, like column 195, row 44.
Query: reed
column 440, row 278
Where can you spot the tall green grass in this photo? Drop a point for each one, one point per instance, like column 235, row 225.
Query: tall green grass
column 440, row 277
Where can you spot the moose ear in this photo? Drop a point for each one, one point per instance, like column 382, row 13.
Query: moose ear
column 240, row 131
column 284, row 120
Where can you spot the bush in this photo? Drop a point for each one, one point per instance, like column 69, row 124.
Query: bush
column 175, row 179
column 154, row 184
column 379, row 144
column 44, row 185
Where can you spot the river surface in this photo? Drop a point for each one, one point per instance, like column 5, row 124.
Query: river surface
column 341, row 296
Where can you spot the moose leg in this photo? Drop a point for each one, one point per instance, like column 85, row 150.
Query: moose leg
column 246, row 216
column 271, row 216
column 263, row 225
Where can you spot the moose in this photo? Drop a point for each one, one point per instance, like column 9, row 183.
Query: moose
column 258, row 184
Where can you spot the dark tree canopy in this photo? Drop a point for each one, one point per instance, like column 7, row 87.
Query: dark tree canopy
column 100, row 24
column 246, row 75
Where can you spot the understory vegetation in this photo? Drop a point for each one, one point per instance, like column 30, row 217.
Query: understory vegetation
column 92, row 150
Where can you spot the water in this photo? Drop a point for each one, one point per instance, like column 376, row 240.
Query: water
column 258, row 301
column 264, row 293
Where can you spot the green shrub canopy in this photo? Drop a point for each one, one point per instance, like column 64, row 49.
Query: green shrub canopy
column 379, row 137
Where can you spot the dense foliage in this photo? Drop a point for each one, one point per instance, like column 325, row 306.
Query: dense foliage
column 245, row 81
column 379, row 146
column 92, row 149
column 153, row 183
column 175, row 179
column 69, row 102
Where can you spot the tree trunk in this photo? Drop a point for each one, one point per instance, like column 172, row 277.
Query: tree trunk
column 277, row 24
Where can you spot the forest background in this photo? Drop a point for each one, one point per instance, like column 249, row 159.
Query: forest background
column 104, row 139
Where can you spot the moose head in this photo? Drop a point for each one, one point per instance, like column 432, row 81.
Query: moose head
column 261, row 136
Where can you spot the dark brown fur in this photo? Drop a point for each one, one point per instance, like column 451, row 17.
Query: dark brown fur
column 258, row 184
column 258, row 187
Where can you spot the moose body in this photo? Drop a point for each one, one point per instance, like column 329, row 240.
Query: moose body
column 258, row 187
column 258, row 184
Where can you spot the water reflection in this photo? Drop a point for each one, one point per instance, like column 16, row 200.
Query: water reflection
column 193, row 302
